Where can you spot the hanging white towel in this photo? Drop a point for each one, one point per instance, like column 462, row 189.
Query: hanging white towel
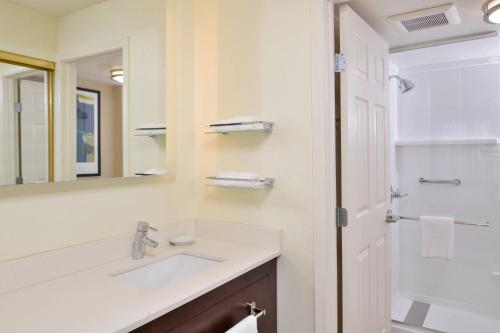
column 438, row 237
column 247, row 325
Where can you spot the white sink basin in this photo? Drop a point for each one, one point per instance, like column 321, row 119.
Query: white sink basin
column 163, row 272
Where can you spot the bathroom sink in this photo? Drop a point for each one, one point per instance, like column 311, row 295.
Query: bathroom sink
column 163, row 272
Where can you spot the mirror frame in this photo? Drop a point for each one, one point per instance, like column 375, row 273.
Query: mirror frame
column 49, row 67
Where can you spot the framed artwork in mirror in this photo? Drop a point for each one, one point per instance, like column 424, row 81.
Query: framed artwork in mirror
column 88, row 133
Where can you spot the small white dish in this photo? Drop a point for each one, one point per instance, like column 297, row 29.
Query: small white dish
column 182, row 240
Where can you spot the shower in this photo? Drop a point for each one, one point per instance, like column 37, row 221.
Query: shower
column 405, row 85
column 437, row 159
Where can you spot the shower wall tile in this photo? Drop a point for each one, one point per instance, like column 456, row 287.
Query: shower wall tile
column 467, row 278
column 451, row 103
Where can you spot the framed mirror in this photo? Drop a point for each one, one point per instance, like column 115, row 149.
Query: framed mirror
column 96, row 108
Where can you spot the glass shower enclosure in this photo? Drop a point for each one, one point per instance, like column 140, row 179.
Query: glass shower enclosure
column 445, row 157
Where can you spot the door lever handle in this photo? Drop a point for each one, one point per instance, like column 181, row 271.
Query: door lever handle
column 391, row 218
column 397, row 194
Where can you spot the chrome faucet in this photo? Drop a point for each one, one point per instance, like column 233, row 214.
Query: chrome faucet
column 141, row 240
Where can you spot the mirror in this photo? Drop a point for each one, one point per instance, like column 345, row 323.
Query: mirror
column 96, row 108
column 25, row 110
column 99, row 116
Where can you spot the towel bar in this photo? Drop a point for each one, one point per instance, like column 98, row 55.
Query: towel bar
column 440, row 181
column 255, row 311
column 391, row 218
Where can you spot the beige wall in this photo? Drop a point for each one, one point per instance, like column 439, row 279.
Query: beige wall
column 253, row 58
column 111, row 126
column 142, row 24
column 225, row 58
column 44, row 217
column 26, row 31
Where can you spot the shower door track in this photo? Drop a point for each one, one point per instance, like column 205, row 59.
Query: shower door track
column 421, row 328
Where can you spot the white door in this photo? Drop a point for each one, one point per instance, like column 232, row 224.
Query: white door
column 8, row 155
column 365, row 177
column 34, row 131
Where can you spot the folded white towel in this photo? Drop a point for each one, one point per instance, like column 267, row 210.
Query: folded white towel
column 237, row 175
column 238, row 128
column 438, row 237
column 236, row 120
column 247, row 325
column 254, row 184
column 152, row 126
column 155, row 172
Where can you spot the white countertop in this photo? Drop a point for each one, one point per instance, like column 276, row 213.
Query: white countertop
column 91, row 300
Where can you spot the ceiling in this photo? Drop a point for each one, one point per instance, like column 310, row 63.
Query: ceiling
column 58, row 7
column 376, row 12
column 98, row 68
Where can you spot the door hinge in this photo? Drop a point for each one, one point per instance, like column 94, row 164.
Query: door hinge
column 18, row 107
column 341, row 217
column 339, row 62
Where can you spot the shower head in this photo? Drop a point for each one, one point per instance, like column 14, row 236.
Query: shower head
column 405, row 85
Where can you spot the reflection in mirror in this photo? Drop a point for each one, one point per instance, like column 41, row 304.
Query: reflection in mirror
column 99, row 147
column 107, row 119
column 24, row 147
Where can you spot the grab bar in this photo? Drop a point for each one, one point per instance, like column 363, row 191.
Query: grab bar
column 255, row 311
column 391, row 218
column 440, row 181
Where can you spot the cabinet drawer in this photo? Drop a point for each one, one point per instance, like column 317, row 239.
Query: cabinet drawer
column 222, row 308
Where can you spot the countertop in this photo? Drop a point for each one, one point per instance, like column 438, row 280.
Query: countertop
column 92, row 300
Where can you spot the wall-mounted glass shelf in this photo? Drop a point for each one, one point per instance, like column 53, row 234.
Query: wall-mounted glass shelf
column 250, row 126
column 150, row 132
column 152, row 172
column 151, row 129
column 447, row 142
column 256, row 184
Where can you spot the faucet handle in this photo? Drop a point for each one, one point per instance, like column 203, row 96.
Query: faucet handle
column 144, row 227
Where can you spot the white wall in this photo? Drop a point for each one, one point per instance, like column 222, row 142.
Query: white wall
column 457, row 99
column 474, row 49
column 393, row 110
column 451, row 103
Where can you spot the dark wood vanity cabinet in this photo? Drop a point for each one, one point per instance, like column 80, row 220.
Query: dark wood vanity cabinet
column 224, row 307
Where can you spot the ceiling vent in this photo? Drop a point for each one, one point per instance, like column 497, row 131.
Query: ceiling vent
column 426, row 18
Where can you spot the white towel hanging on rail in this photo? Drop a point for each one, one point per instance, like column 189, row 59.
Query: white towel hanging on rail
column 438, row 237
column 247, row 325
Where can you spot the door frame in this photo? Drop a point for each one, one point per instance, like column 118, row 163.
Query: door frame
column 324, row 165
column 65, row 85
